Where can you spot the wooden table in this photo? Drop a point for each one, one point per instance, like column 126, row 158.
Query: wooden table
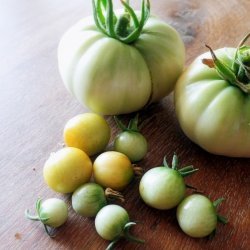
column 34, row 106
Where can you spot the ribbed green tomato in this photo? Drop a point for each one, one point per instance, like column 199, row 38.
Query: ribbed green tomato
column 111, row 77
column 212, row 112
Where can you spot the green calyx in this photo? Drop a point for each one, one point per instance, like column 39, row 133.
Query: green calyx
column 184, row 172
column 126, row 235
column 132, row 126
column 127, row 28
column 220, row 218
column 239, row 73
column 38, row 217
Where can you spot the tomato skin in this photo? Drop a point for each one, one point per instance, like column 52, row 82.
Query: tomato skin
column 132, row 144
column 67, row 169
column 110, row 221
column 88, row 132
column 212, row 112
column 197, row 216
column 150, row 66
column 162, row 188
column 113, row 169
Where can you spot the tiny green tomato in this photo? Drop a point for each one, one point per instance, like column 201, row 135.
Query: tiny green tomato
column 112, row 223
column 89, row 198
column 51, row 212
column 130, row 141
column 164, row 187
column 197, row 215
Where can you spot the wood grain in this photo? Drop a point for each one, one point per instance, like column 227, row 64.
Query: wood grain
column 34, row 106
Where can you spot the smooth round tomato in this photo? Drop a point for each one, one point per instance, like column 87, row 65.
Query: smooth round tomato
column 88, row 199
column 111, row 76
column 113, row 169
column 162, row 188
column 197, row 216
column 211, row 111
column 67, row 169
column 89, row 132
column 55, row 210
column 110, row 221
column 132, row 144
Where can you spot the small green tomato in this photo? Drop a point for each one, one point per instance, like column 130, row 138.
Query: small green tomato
column 164, row 187
column 112, row 223
column 52, row 212
column 89, row 198
column 130, row 141
column 197, row 215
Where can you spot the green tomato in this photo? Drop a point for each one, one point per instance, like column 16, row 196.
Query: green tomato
column 110, row 221
column 212, row 112
column 88, row 199
column 164, row 187
column 197, row 216
column 112, row 77
column 132, row 144
column 55, row 210
column 52, row 212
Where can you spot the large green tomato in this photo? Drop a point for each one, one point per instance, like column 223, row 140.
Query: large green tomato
column 111, row 77
column 212, row 112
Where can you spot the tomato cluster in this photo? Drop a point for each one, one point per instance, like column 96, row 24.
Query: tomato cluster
column 70, row 170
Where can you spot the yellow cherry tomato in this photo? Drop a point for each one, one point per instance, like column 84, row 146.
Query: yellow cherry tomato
column 113, row 169
column 88, row 132
column 67, row 169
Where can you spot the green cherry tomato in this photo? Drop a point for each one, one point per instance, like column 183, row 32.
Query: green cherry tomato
column 88, row 199
column 132, row 144
column 55, row 210
column 130, row 141
column 197, row 216
column 112, row 223
column 52, row 212
column 164, row 187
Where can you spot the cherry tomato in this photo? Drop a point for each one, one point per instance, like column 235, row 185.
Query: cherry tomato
column 89, row 132
column 113, row 169
column 164, row 187
column 67, row 169
column 197, row 215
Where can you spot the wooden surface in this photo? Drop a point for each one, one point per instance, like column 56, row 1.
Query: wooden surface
column 34, row 106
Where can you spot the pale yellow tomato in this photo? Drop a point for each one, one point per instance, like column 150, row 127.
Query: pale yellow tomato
column 113, row 169
column 67, row 169
column 89, row 132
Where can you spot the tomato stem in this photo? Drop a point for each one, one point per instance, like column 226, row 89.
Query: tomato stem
column 138, row 171
column 238, row 74
column 114, row 195
column 130, row 237
column 112, row 244
column 31, row 217
column 122, row 28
